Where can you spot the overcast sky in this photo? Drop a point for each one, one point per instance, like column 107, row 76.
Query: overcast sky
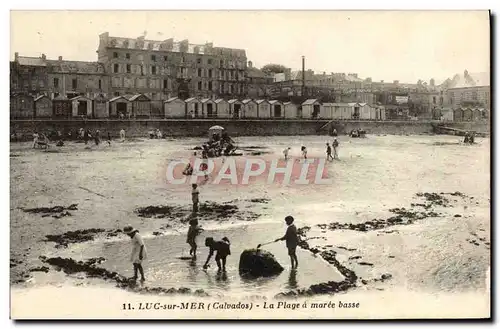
column 404, row 46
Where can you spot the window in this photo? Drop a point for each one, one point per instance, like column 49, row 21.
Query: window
column 165, row 83
column 56, row 83
column 115, row 68
column 210, row 73
column 198, row 60
column 153, row 70
column 165, row 58
column 116, row 94
column 209, row 61
column 221, row 62
column 73, row 84
column 199, row 85
column 210, row 85
column 42, row 84
column 115, row 55
column 153, row 96
column 100, row 84
column 434, row 99
column 183, row 59
column 140, row 58
column 128, row 68
column 153, row 58
column 199, row 73
column 232, row 89
column 127, row 56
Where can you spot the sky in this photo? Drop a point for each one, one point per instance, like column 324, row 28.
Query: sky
column 383, row 45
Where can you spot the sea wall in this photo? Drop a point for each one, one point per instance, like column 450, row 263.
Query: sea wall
column 189, row 127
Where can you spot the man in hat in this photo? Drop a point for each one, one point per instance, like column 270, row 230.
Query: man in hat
column 335, row 145
column 138, row 251
column 292, row 240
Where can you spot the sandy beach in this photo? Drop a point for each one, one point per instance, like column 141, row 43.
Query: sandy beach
column 406, row 218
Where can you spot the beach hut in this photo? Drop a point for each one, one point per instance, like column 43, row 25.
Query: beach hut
column 458, row 115
column 373, row 113
column 291, row 110
column 326, row 110
column 250, row 108
column 364, row 111
column 263, row 108
column 222, row 108
column 120, row 107
column 81, row 106
column 477, row 114
column 62, row 107
column 22, row 106
column 100, row 107
column 43, row 107
column 277, row 109
column 174, row 108
column 235, row 108
column 141, row 106
column 467, row 114
column 193, row 107
column 311, row 108
column 355, row 110
column 208, row 108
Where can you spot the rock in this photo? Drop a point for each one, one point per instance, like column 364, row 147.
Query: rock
column 457, row 215
column 386, row 276
column 259, row 263
column 40, row 269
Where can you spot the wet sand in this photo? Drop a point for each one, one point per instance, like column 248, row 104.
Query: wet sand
column 444, row 252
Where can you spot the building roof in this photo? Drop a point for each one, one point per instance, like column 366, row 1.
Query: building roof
column 191, row 99
column 171, row 99
column 310, row 102
column 40, row 97
column 220, row 100
column 137, row 96
column 259, row 101
column 60, row 97
column 206, row 100
column 169, row 45
column 80, row 67
column 466, row 80
column 274, row 101
column 117, row 98
column 246, row 101
column 232, row 101
column 80, row 97
column 31, row 61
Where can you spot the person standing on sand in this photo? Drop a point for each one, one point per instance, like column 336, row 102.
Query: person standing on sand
column 335, row 145
column 334, row 133
column 304, row 152
column 109, row 138
column 139, row 253
column 122, row 135
column 292, row 240
column 195, row 197
column 35, row 139
column 285, row 153
column 223, row 250
column 328, row 152
column 193, row 232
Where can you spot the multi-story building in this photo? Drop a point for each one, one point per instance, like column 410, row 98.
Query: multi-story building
column 469, row 89
column 28, row 75
column 162, row 69
column 37, row 76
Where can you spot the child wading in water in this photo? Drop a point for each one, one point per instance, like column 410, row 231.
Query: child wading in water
column 285, row 153
column 304, row 152
column 193, row 232
column 138, row 251
column 292, row 240
column 223, row 250
column 195, row 197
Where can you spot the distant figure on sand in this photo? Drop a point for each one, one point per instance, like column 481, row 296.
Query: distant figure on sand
column 334, row 132
column 97, row 137
column 109, row 138
column 195, row 197
column 292, row 240
column 304, row 152
column 139, row 253
column 328, row 152
column 193, row 232
column 35, row 139
column 285, row 153
column 223, row 250
column 122, row 135
column 335, row 145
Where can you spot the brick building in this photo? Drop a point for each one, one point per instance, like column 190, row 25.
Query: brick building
column 164, row 69
column 29, row 75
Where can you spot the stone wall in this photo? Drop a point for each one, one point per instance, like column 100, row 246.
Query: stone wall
column 189, row 127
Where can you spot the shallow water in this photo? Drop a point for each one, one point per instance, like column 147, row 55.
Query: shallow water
column 165, row 269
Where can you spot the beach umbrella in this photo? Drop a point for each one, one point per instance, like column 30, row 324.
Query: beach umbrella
column 216, row 128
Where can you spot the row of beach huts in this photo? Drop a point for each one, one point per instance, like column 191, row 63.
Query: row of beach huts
column 139, row 106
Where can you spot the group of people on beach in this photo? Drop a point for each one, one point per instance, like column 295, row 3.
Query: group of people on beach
column 40, row 140
column 303, row 150
column 221, row 248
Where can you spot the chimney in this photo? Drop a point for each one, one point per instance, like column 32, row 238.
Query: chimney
column 16, row 56
column 44, row 57
column 60, row 58
column 381, row 81
column 250, row 64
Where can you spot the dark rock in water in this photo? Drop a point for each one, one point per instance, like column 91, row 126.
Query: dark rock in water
column 40, row 269
column 73, row 236
column 258, row 263
column 457, row 215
